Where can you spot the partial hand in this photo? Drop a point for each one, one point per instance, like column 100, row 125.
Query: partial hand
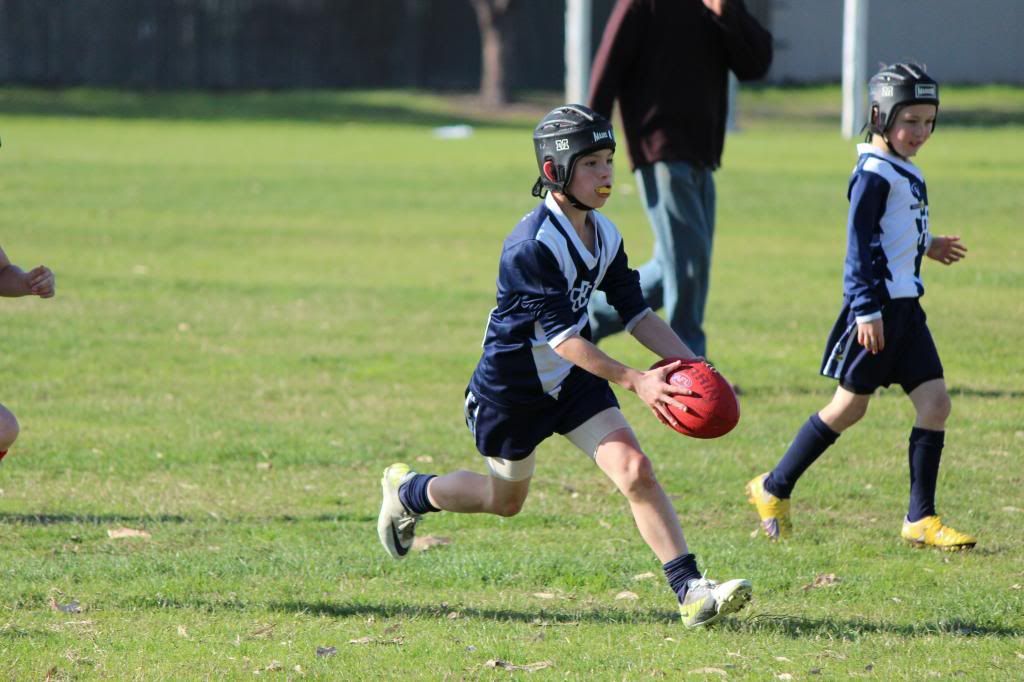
column 871, row 335
column 41, row 282
column 653, row 388
column 716, row 6
column 946, row 250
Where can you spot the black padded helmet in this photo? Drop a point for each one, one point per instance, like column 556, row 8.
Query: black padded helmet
column 895, row 87
column 565, row 134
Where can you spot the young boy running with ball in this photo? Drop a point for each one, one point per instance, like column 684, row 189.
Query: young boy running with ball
column 881, row 336
column 540, row 374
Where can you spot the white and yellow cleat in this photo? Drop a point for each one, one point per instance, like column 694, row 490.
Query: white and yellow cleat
column 929, row 532
column 706, row 601
column 396, row 526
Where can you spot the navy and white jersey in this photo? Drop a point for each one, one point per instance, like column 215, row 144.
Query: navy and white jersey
column 545, row 278
column 887, row 232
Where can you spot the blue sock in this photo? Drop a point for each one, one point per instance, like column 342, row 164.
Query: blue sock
column 813, row 438
column 681, row 571
column 413, row 494
column 924, row 453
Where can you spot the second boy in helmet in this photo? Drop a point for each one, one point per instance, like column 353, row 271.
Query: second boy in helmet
column 881, row 336
column 539, row 374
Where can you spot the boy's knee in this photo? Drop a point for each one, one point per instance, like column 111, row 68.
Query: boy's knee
column 935, row 408
column 506, row 498
column 637, row 473
column 508, row 506
column 842, row 413
column 854, row 411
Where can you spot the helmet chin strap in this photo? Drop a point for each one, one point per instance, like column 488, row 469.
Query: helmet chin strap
column 577, row 203
column 538, row 189
column 892, row 150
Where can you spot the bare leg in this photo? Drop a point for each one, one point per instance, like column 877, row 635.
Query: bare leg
column 931, row 400
column 845, row 410
column 471, row 493
column 622, row 460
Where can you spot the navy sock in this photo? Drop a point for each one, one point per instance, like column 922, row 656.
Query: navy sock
column 924, row 453
column 680, row 571
column 813, row 438
column 413, row 494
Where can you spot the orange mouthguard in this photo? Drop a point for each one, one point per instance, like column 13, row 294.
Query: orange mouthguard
column 604, row 191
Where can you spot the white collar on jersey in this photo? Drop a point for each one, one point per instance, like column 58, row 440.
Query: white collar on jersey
column 589, row 258
column 868, row 148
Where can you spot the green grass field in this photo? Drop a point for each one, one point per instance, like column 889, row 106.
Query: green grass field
column 265, row 299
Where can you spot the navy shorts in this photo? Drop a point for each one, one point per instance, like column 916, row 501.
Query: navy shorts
column 513, row 435
column 908, row 359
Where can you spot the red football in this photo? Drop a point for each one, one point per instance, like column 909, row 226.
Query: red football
column 713, row 410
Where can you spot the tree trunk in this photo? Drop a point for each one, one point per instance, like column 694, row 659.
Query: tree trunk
column 490, row 17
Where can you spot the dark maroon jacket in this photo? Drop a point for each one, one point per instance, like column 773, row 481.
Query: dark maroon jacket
column 667, row 63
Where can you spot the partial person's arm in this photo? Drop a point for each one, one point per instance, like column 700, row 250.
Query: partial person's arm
column 615, row 55
column 16, row 282
column 652, row 386
column 748, row 44
column 658, row 337
column 869, row 195
column 621, row 284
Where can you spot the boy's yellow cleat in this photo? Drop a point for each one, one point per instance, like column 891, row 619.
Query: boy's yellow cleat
column 774, row 511
column 929, row 532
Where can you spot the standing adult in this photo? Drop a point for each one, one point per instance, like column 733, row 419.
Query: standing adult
column 667, row 62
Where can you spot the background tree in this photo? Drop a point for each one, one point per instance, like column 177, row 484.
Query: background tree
column 491, row 17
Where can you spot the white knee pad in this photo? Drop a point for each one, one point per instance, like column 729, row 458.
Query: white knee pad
column 588, row 435
column 512, row 470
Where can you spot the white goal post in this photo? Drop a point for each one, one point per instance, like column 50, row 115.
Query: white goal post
column 577, row 50
column 855, row 62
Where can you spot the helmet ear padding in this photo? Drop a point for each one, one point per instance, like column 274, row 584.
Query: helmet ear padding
column 550, row 171
column 876, row 122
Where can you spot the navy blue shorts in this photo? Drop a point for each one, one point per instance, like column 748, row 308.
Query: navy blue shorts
column 513, row 435
column 908, row 359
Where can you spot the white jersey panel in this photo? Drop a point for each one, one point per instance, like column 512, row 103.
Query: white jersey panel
column 904, row 223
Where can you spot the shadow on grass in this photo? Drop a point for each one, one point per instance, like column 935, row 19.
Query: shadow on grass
column 416, row 108
column 800, row 627
column 980, row 118
column 983, row 393
column 315, row 106
column 826, row 389
column 956, row 118
column 540, row 616
column 87, row 519
column 143, row 519
column 791, row 626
